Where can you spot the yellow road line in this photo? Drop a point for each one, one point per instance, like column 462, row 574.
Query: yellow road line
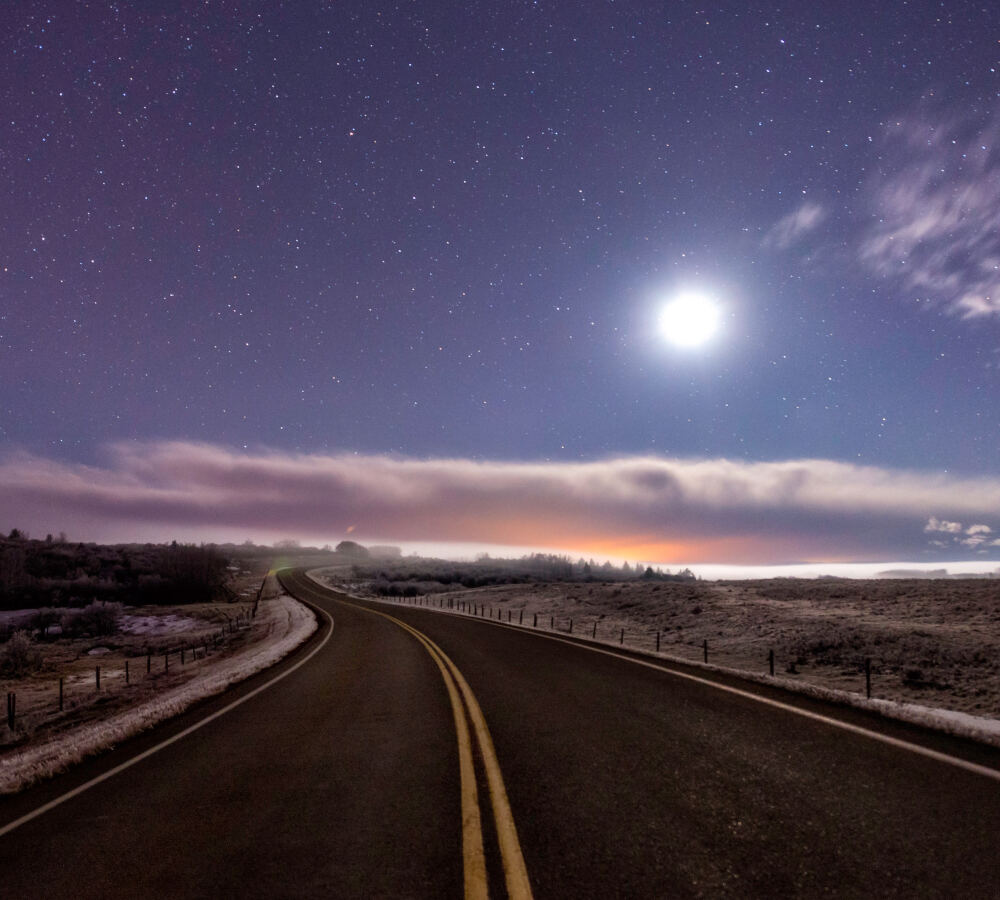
column 473, row 857
column 515, row 871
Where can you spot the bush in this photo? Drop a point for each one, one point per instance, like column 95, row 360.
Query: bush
column 97, row 619
column 19, row 656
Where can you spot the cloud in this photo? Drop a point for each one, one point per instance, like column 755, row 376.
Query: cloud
column 651, row 508
column 935, row 524
column 936, row 217
column 791, row 228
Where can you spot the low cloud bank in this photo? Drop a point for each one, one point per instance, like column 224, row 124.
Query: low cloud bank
column 651, row 508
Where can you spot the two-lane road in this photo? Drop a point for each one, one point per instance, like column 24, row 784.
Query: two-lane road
column 623, row 779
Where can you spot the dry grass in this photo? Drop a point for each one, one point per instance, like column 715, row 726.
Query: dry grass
column 203, row 630
column 934, row 643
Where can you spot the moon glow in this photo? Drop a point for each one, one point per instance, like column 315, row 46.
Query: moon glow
column 689, row 320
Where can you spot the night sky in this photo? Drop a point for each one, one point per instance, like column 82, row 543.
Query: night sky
column 261, row 260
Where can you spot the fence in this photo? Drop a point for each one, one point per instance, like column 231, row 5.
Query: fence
column 79, row 689
column 643, row 641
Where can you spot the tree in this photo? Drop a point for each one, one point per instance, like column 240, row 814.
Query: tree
column 353, row 549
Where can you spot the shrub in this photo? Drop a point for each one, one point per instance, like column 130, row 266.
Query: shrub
column 19, row 656
column 97, row 619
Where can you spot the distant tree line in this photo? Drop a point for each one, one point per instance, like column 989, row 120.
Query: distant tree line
column 412, row 576
column 52, row 573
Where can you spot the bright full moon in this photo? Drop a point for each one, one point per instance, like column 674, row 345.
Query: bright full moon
column 689, row 320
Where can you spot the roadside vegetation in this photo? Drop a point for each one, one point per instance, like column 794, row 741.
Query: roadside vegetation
column 931, row 641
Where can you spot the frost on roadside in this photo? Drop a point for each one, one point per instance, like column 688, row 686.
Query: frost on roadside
column 289, row 623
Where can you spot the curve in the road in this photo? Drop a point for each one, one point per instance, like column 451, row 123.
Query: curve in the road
column 900, row 744
column 145, row 754
column 466, row 711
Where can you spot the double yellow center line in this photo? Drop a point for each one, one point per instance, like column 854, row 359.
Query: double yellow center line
column 470, row 724
column 466, row 711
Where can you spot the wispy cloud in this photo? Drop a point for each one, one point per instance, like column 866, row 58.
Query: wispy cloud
column 790, row 229
column 936, row 228
column 708, row 510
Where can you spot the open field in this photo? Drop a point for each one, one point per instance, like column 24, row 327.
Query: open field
column 194, row 651
column 931, row 642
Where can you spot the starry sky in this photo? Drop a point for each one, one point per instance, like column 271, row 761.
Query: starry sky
column 262, row 261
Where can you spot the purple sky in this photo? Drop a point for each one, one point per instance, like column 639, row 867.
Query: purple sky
column 288, row 269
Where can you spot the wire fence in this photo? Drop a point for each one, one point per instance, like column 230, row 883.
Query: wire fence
column 143, row 669
column 593, row 630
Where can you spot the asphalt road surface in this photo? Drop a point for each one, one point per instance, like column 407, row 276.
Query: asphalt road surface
column 581, row 773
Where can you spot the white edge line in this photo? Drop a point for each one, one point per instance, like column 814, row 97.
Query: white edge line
column 104, row 776
column 936, row 755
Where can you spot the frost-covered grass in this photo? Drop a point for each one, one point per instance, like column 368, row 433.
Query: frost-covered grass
column 934, row 645
column 282, row 624
column 154, row 626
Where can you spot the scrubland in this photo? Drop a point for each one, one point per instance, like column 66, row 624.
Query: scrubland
column 222, row 643
column 931, row 642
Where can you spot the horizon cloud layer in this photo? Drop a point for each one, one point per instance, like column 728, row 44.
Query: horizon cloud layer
column 640, row 507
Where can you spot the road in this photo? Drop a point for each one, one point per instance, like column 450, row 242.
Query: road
column 614, row 777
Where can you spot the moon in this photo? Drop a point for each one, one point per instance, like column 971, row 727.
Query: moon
column 690, row 319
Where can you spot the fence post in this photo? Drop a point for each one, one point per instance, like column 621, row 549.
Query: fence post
column 182, row 656
column 60, row 695
column 593, row 631
column 552, row 621
column 97, row 677
column 868, row 677
column 657, row 642
column 126, row 672
column 520, row 618
column 770, row 661
column 149, row 660
column 621, row 637
column 704, row 647
column 534, row 624
column 166, row 661
column 570, row 626
column 11, row 709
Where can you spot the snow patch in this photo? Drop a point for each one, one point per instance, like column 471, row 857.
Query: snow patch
column 156, row 625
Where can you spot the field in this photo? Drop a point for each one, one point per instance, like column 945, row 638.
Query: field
column 931, row 642
column 193, row 651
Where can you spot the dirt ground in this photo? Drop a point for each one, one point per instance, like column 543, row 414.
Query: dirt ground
column 931, row 642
